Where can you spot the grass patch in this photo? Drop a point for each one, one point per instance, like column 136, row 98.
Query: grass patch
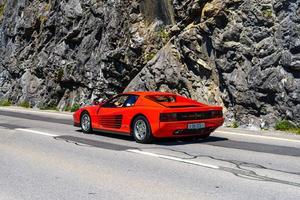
column 72, row 108
column 47, row 7
column 67, row 108
column 163, row 35
column 234, row 124
column 75, row 107
column 288, row 126
column 149, row 56
column 2, row 9
column 5, row 102
column 49, row 108
column 24, row 104
column 43, row 19
column 60, row 74
column 267, row 13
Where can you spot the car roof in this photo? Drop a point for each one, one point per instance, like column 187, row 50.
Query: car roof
column 140, row 93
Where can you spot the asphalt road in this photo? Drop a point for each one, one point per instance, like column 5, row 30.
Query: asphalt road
column 42, row 156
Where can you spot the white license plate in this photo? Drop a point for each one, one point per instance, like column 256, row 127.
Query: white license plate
column 196, row 126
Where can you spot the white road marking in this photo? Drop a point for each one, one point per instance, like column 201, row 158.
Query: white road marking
column 172, row 158
column 22, row 110
column 258, row 136
column 36, row 132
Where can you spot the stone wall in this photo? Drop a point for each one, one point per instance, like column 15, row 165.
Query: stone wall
column 242, row 54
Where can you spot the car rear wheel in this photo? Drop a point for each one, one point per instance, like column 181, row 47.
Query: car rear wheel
column 86, row 123
column 141, row 130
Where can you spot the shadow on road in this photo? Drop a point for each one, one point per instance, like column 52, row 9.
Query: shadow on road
column 214, row 141
column 111, row 135
column 183, row 141
column 164, row 141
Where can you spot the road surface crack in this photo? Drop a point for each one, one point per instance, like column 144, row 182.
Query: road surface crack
column 72, row 142
column 240, row 165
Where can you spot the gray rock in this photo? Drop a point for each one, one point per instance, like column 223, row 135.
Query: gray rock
column 241, row 54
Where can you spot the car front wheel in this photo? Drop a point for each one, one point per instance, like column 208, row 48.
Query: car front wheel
column 141, row 130
column 86, row 123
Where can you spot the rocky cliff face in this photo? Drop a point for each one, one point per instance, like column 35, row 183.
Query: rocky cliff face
column 243, row 54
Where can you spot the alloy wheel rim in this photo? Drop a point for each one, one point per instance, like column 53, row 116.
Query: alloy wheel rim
column 140, row 129
column 85, row 122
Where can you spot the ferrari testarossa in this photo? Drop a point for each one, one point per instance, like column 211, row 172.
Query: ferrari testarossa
column 149, row 115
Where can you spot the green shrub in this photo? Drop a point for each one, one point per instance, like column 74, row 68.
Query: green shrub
column 24, row 104
column 285, row 125
column 5, row 102
column 149, row 56
column 2, row 8
column 75, row 107
column 47, row 7
column 60, row 74
column 43, row 19
column 49, row 108
column 67, row 108
column 267, row 13
column 234, row 124
column 163, row 35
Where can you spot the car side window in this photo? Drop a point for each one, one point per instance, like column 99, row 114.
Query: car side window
column 116, row 102
column 130, row 101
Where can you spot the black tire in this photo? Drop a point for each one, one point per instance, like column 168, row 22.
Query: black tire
column 86, row 127
column 146, row 137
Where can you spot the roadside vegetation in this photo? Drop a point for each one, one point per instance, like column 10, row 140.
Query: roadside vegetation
column 67, row 108
column 163, row 35
column 2, row 8
column 24, row 104
column 287, row 126
column 234, row 124
column 5, row 102
column 72, row 108
column 49, row 108
column 75, row 107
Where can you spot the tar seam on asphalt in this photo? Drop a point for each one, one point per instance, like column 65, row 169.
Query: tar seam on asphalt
column 248, row 146
column 35, row 117
column 11, row 126
column 92, row 143
column 240, row 172
column 264, row 148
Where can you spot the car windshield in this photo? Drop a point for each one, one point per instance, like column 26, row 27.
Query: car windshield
column 163, row 98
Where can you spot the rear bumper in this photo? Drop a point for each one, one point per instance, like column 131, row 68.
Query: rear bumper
column 180, row 128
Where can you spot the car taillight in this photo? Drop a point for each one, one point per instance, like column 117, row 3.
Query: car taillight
column 217, row 113
column 168, row 117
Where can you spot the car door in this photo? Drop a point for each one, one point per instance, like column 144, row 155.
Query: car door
column 111, row 115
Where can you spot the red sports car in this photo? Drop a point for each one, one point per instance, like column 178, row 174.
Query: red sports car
column 149, row 115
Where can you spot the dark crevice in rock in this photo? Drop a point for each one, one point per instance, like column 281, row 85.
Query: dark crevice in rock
column 157, row 10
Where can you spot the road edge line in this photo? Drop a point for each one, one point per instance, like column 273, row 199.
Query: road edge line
column 172, row 158
column 36, row 132
column 258, row 136
column 25, row 111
